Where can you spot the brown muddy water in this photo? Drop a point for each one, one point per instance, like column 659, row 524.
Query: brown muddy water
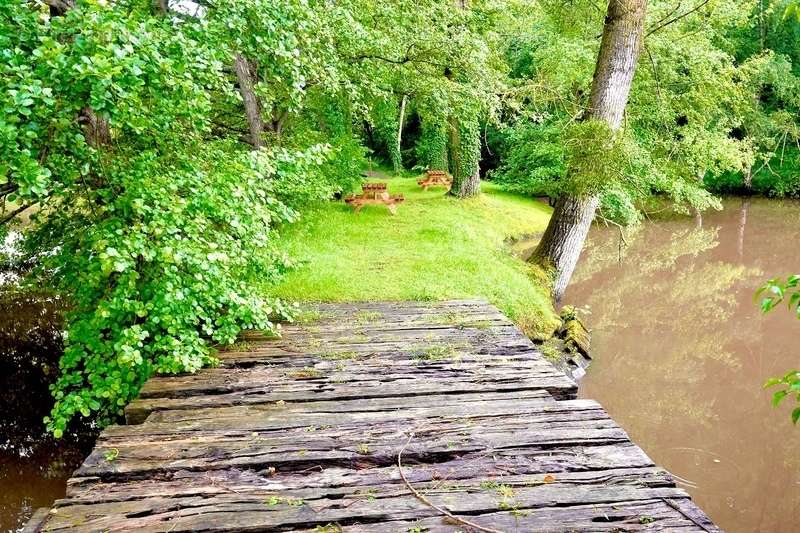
column 681, row 351
column 33, row 466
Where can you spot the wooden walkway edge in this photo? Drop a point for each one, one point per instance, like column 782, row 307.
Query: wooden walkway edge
column 304, row 433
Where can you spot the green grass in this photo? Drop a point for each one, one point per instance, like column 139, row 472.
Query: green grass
column 435, row 248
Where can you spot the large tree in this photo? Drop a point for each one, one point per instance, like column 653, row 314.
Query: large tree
column 620, row 46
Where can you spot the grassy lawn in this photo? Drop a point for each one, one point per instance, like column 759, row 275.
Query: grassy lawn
column 435, row 248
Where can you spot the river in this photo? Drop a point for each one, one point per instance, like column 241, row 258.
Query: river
column 681, row 351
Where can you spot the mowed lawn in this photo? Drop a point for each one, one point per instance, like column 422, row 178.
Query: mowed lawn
column 435, row 248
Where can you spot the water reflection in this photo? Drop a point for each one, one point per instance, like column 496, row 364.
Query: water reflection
column 33, row 466
column 681, row 351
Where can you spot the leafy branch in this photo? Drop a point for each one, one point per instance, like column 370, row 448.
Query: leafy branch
column 772, row 294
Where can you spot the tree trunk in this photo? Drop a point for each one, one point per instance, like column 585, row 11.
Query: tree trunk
column 398, row 162
column 468, row 187
column 563, row 240
column 96, row 129
column 252, row 108
column 466, row 182
column 748, row 179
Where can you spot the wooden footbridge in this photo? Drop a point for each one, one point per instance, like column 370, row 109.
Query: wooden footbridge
column 378, row 417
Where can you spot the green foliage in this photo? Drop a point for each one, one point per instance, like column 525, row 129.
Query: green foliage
column 385, row 115
column 772, row 294
column 534, row 162
column 286, row 40
column 595, row 158
column 707, row 101
column 777, row 178
column 431, row 147
column 159, row 237
column 790, row 385
column 171, row 263
column 445, row 58
column 792, row 10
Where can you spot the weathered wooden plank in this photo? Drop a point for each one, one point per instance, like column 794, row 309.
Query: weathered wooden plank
column 395, row 353
column 427, row 391
column 363, row 384
column 479, row 465
column 327, row 375
column 272, row 507
column 367, row 376
column 485, row 334
column 470, row 340
column 645, row 515
column 417, row 306
column 413, row 357
column 274, row 436
column 381, row 321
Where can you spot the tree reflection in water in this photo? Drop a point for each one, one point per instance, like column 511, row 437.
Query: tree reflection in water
column 681, row 352
column 33, row 466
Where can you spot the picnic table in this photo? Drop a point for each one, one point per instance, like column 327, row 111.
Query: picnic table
column 434, row 178
column 374, row 193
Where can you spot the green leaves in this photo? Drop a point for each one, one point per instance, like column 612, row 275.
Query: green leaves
column 792, row 10
column 159, row 234
column 791, row 382
column 173, row 264
column 773, row 293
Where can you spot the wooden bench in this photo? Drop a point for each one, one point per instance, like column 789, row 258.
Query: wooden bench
column 374, row 193
column 434, row 178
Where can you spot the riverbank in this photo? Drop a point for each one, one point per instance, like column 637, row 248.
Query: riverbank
column 436, row 248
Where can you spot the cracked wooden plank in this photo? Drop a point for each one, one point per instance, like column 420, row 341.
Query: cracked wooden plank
column 494, row 466
column 260, row 437
column 274, row 506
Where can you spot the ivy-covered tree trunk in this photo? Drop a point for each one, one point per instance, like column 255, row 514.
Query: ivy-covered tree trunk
column 563, row 239
column 465, row 152
column 431, row 149
column 252, row 108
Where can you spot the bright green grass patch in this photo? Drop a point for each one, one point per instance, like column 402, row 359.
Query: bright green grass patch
column 435, row 248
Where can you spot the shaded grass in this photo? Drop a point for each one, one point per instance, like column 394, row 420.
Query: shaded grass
column 435, row 248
